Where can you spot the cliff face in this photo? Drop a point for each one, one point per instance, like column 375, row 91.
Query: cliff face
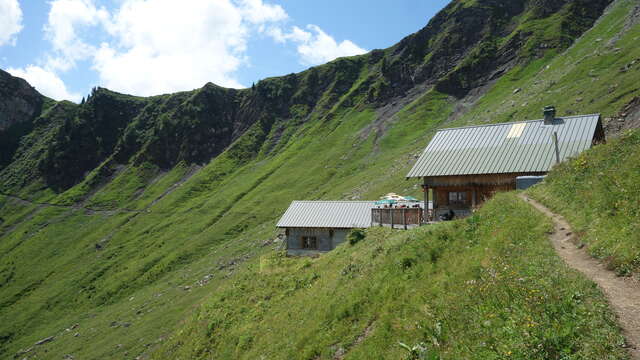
column 20, row 104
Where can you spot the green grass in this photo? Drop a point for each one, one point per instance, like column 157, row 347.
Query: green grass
column 54, row 276
column 483, row 288
column 598, row 192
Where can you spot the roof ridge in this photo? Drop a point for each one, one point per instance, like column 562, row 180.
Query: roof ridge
column 517, row 122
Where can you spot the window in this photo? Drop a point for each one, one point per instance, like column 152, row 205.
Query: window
column 309, row 242
column 458, row 197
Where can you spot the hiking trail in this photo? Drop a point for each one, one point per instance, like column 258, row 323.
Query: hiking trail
column 623, row 293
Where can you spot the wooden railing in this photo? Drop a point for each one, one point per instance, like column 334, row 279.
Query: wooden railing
column 401, row 218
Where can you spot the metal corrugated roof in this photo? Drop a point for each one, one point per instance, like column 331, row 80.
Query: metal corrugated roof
column 328, row 214
column 515, row 147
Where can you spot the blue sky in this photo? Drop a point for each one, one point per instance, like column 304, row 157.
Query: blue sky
column 150, row 47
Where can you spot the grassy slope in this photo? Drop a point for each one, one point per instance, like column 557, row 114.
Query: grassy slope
column 226, row 211
column 599, row 193
column 146, row 254
column 486, row 287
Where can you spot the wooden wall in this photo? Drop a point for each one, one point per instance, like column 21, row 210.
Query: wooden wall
column 476, row 180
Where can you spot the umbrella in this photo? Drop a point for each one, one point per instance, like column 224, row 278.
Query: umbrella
column 410, row 198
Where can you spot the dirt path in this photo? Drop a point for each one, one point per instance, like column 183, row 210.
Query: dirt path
column 88, row 210
column 623, row 293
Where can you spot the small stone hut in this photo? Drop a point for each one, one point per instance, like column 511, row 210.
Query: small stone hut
column 463, row 167
column 313, row 227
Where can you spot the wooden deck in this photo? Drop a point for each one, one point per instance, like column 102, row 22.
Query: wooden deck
column 397, row 218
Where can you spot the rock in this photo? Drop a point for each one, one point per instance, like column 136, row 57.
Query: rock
column 68, row 356
column 186, row 288
column 114, row 324
column 45, row 340
column 22, row 352
column 517, row 90
column 76, row 334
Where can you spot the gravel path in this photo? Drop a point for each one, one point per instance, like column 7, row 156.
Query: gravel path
column 623, row 293
column 88, row 210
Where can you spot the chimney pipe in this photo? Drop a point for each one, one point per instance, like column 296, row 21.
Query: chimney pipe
column 549, row 115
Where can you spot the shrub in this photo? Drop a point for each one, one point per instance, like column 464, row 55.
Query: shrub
column 355, row 236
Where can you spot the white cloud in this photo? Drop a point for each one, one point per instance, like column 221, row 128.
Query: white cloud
column 163, row 46
column 297, row 35
column 10, row 21
column 323, row 48
column 151, row 47
column 65, row 18
column 257, row 12
column 46, row 82
column 315, row 46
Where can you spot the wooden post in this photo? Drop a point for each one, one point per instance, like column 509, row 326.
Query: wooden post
column 425, row 188
column 434, row 202
column 474, row 201
column 404, row 218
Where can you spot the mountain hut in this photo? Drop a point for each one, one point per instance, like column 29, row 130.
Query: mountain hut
column 463, row 167
column 313, row 227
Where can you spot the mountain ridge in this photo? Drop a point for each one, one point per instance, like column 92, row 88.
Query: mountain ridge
column 197, row 125
column 344, row 130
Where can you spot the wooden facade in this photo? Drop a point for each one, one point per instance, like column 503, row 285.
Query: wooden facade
column 464, row 193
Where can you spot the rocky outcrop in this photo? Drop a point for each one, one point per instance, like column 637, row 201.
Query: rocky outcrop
column 628, row 118
column 20, row 104
column 19, row 101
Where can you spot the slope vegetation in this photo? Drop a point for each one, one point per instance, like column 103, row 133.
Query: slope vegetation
column 190, row 184
column 598, row 192
column 483, row 288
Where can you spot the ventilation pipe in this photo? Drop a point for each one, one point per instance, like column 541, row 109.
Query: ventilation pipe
column 549, row 115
